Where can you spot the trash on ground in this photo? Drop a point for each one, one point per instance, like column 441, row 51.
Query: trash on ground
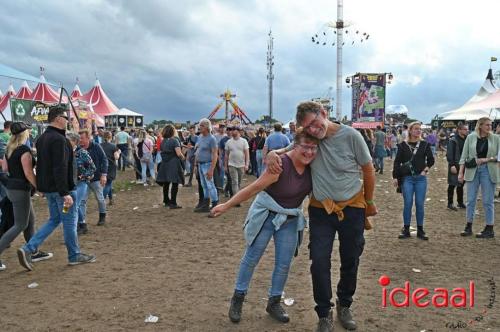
column 33, row 285
column 416, row 270
column 289, row 301
column 135, row 208
column 151, row 319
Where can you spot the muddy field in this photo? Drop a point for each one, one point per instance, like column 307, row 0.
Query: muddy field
column 181, row 267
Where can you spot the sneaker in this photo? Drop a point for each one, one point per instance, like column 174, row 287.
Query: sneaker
column 41, row 256
column 2, row 266
column 461, row 206
column 82, row 259
column 174, row 206
column 25, row 259
column 452, row 207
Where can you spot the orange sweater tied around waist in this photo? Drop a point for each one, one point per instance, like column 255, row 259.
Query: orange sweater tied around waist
column 330, row 206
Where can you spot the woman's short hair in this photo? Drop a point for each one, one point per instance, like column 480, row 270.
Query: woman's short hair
column 73, row 137
column 302, row 134
column 168, row 131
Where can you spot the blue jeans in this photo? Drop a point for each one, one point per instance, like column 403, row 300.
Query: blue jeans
column 258, row 156
column 81, row 193
column 481, row 178
column 414, row 186
column 145, row 165
column 95, row 187
column 123, row 161
column 108, row 189
column 285, row 243
column 56, row 216
column 209, row 190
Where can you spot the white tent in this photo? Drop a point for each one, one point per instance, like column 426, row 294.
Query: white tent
column 478, row 106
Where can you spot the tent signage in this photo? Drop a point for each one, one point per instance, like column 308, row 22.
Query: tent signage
column 29, row 111
column 368, row 97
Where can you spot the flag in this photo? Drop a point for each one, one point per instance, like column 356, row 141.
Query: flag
column 493, row 58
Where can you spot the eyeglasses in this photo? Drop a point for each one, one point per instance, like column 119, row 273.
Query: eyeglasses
column 312, row 124
column 312, row 148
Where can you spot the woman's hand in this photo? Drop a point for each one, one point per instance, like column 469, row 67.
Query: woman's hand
column 218, row 210
column 461, row 178
column 425, row 171
column 395, row 183
column 273, row 162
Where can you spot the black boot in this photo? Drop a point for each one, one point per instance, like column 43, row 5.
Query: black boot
column 421, row 234
column 275, row 309
column 345, row 317
column 487, row 233
column 452, row 207
column 461, row 206
column 82, row 229
column 102, row 219
column 468, row 230
column 203, row 207
column 405, row 232
column 236, row 306
column 214, row 204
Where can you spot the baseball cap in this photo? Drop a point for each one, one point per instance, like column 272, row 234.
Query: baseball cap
column 18, row 127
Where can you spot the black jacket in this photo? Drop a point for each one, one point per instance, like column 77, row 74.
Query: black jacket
column 100, row 160
column 54, row 169
column 423, row 158
column 454, row 150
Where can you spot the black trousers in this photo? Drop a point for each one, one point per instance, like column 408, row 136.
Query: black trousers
column 460, row 194
column 322, row 231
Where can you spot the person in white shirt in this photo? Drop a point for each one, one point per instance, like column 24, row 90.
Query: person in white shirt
column 236, row 159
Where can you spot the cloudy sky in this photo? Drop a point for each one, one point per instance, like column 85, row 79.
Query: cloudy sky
column 171, row 59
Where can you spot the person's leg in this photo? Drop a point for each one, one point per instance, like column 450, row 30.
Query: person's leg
column 97, row 189
column 487, row 195
column 321, row 236
column 420, row 188
column 30, row 229
column 460, row 195
column 151, row 167
column 285, row 244
column 451, row 190
column 408, row 190
column 208, row 185
column 381, row 164
column 106, row 191
column 202, row 168
column 252, row 255
column 69, row 227
column 175, row 189
column 138, row 168
column 472, row 190
column 55, row 210
column 144, row 168
column 351, row 245
column 233, row 172
column 82, row 189
column 166, row 188
column 241, row 172
column 21, row 204
column 258, row 155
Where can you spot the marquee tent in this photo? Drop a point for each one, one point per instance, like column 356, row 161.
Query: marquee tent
column 1, row 94
column 98, row 101
column 124, row 118
column 76, row 93
column 4, row 101
column 24, row 92
column 44, row 93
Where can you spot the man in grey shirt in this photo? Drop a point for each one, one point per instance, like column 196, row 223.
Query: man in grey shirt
column 379, row 150
column 340, row 203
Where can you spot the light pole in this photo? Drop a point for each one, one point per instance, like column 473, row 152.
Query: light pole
column 270, row 75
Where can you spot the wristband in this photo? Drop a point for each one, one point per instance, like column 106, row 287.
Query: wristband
column 370, row 202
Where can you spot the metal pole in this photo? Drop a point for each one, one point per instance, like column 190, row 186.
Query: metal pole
column 340, row 31
column 270, row 76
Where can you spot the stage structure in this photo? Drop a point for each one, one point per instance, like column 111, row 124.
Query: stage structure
column 236, row 114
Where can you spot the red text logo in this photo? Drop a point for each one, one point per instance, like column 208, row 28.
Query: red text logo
column 423, row 297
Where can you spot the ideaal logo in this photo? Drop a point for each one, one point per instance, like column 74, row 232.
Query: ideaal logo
column 423, row 297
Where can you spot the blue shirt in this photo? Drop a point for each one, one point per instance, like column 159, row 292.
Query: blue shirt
column 276, row 141
column 204, row 148
column 100, row 160
column 122, row 137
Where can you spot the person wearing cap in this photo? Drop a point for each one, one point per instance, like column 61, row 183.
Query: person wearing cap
column 19, row 163
column 54, row 171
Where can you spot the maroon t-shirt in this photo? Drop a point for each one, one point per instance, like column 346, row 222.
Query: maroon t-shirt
column 291, row 188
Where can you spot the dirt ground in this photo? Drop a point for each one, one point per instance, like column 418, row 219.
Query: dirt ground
column 181, row 267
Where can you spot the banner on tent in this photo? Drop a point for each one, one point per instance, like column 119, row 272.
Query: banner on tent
column 29, row 111
column 368, row 98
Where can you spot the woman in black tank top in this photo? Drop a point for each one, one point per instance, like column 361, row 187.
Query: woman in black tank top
column 19, row 163
column 270, row 216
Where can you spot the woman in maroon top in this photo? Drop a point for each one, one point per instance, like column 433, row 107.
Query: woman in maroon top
column 274, row 214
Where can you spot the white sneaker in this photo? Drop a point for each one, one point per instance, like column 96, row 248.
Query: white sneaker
column 2, row 266
column 146, row 184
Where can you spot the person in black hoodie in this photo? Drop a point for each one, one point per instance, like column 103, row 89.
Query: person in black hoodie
column 56, row 179
column 453, row 153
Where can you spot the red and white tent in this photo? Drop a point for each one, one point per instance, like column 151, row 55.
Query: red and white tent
column 1, row 94
column 44, row 93
column 25, row 91
column 76, row 93
column 4, row 101
column 98, row 101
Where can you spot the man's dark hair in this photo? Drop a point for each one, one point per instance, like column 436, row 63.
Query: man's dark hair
column 405, row 126
column 277, row 127
column 306, row 107
column 55, row 111
column 379, row 127
column 6, row 124
column 122, row 128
